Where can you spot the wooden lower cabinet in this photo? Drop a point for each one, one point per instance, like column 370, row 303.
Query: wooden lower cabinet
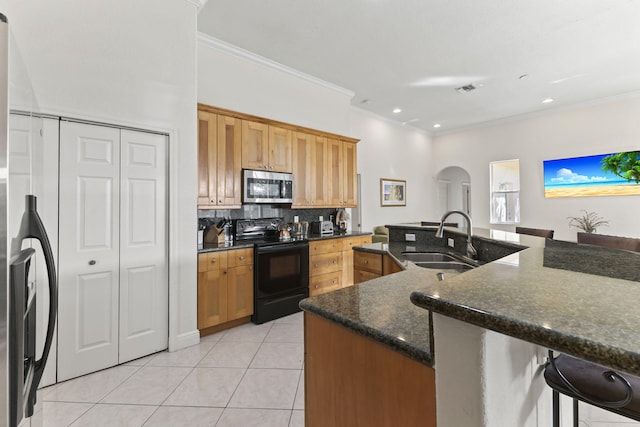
column 331, row 263
column 351, row 380
column 225, row 289
column 370, row 265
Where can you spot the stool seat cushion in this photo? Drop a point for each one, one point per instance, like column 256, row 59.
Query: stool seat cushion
column 590, row 380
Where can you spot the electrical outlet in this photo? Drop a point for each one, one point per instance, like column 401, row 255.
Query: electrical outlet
column 450, row 242
column 409, row 237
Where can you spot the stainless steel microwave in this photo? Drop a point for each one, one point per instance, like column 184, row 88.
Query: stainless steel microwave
column 266, row 187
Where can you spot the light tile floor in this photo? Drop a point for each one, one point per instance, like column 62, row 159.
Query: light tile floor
column 250, row 375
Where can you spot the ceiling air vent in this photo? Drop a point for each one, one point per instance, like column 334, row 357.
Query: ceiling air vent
column 465, row 88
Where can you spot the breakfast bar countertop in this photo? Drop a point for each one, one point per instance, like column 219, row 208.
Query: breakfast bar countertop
column 578, row 299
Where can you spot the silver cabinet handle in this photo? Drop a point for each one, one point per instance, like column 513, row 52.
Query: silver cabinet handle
column 92, row 262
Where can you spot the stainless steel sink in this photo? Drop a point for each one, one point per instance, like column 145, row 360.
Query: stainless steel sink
column 417, row 257
column 446, row 265
column 437, row 260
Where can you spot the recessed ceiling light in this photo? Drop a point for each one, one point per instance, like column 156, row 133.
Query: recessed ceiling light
column 437, row 125
column 547, row 101
column 397, row 110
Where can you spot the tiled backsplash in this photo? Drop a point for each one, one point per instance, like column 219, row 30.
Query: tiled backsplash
column 267, row 211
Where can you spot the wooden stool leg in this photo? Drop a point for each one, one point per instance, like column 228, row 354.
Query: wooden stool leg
column 556, row 409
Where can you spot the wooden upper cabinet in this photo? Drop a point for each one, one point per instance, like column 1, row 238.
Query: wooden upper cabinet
column 335, row 172
column 219, row 167
column 207, row 154
column 280, row 153
column 350, row 177
column 229, row 171
column 342, row 173
column 266, row 147
column 319, row 165
column 255, row 145
column 301, row 149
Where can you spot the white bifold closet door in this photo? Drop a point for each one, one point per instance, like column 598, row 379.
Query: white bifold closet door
column 113, row 292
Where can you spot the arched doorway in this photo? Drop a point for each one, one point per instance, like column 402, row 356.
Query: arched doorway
column 453, row 186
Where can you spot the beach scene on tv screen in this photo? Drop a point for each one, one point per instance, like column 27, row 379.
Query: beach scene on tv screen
column 613, row 174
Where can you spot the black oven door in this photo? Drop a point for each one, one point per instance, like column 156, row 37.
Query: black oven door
column 281, row 268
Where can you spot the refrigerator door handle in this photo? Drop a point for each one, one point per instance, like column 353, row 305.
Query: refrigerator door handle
column 32, row 227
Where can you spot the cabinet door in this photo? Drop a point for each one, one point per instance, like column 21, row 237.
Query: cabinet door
column 255, row 145
column 212, row 298
column 319, row 165
column 206, row 159
column 301, row 169
column 360, row 276
column 324, row 283
column 240, row 292
column 335, row 173
column 229, row 164
column 280, row 155
column 350, row 178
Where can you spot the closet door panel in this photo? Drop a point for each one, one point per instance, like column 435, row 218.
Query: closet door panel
column 143, row 246
column 89, row 255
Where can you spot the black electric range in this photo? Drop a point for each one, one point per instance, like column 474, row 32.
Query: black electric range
column 281, row 268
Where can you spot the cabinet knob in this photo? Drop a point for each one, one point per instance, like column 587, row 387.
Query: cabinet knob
column 92, row 262
column 334, row 281
column 213, row 201
column 241, row 257
column 334, row 261
column 251, row 268
column 316, row 286
column 219, row 201
column 366, row 261
column 224, row 272
column 213, row 260
column 315, row 265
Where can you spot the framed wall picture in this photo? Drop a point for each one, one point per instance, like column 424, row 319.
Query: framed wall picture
column 393, row 192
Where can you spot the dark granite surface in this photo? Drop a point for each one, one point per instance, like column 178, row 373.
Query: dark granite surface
column 213, row 247
column 578, row 299
column 380, row 309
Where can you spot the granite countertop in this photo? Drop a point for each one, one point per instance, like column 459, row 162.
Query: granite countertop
column 380, row 309
column 578, row 299
column 235, row 244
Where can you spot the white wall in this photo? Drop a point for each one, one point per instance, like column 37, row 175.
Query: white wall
column 228, row 79
column 127, row 63
column 390, row 150
column 253, row 85
column 598, row 129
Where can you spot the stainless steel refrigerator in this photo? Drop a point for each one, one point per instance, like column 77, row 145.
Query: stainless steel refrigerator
column 20, row 367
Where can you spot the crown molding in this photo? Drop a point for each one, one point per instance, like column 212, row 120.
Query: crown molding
column 223, row 46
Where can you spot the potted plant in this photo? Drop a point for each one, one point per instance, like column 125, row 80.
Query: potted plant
column 587, row 222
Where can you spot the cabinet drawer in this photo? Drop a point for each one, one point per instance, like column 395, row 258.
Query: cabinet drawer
column 360, row 276
column 325, row 263
column 349, row 242
column 325, row 246
column 367, row 261
column 212, row 261
column 324, row 283
column 240, row 257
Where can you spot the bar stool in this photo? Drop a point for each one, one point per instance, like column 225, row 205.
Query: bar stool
column 591, row 383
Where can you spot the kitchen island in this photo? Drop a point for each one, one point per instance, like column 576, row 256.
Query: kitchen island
column 492, row 325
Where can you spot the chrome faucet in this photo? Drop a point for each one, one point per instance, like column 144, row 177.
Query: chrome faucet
column 471, row 251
